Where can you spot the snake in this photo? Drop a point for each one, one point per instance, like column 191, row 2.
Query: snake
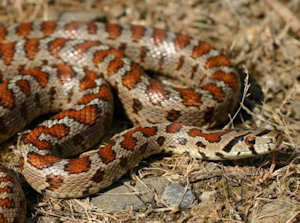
column 74, row 70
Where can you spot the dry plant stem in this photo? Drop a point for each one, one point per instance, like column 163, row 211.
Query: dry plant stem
column 245, row 91
column 286, row 14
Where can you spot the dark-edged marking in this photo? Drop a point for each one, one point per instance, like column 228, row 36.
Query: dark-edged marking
column 173, row 115
column 106, row 153
column 220, row 155
column 24, row 29
column 54, row 182
column 264, row 132
column 41, row 161
column 31, row 48
column 212, row 137
column 136, row 105
column 200, row 144
column 7, row 52
column 156, row 92
column 233, row 142
column 137, row 32
column 161, row 140
column 48, row 27
column 173, row 128
column 113, row 30
column 79, row 165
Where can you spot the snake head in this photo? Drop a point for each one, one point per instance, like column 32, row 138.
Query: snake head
column 251, row 144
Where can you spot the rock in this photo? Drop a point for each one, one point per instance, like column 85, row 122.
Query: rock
column 150, row 186
column 175, row 195
column 118, row 199
column 123, row 198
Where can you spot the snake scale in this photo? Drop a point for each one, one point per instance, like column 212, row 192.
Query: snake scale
column 69, row 68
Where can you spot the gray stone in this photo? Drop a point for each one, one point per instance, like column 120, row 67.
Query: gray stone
column 150, row 186
column 175, row 195
column 123, row 198
column 118, row 199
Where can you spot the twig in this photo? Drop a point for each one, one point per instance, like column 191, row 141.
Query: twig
column 245, row 94
column 286, row 15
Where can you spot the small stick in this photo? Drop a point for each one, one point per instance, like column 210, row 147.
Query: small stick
column 286, row 15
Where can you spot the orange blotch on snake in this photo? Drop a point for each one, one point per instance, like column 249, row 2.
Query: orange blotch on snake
column 148, row 131
column 56, row 45
column 7, row 203
column 6, row 96
column 129, row 141
column 190, row 97
column 32, row 48
column 115, row 64
column 158, row 35
column 24, row 86
column 137, row 32
column 86, row 115
column 85, row 46
column 54, row 182
column 6, row 178
column 217, row 61
column 132, row 77
column 104, row 93
column 3, row 33
column 79, row 165
column 201, row 49
column 182, row 41
column 72, row 27
column 113, row 30
column 41, row 161
column 6, row 189
column 40, row 76
column 157, row 94
column 216, row 91
column 48, row 27
column 65, row 72
column 89, row 80
column 92, row 28
column 24, row 29
column 7, row 52
column 173, row 128
column 227, row 78
column 211, row 137
column 106, row 153
column 58, row 131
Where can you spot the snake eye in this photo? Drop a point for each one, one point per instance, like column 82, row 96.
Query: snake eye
column 250, row 140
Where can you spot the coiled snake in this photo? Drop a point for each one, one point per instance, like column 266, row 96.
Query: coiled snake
column 69, row 67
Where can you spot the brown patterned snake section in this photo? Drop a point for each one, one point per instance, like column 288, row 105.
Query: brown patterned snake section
column 59, row 67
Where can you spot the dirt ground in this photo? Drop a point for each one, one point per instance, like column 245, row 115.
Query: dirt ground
column 260, row 38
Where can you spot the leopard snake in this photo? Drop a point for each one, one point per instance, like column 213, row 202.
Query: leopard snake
column 70, row 67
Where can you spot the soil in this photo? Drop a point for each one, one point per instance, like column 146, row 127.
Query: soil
column 258, row 40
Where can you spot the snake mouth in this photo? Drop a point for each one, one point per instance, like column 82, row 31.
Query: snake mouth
column 274, row 140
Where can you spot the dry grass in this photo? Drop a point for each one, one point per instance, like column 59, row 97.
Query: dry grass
column 257, row 38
